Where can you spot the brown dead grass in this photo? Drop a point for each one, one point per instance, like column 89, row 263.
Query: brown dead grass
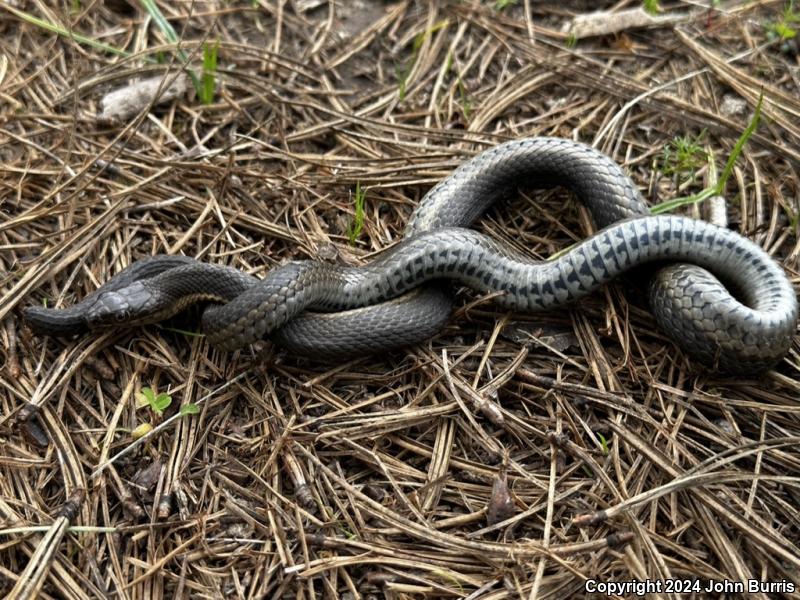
column 376, row 477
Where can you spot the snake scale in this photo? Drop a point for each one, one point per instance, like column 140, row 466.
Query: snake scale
column 319, row 309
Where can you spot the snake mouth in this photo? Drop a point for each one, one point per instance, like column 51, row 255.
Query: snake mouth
column 54, row 321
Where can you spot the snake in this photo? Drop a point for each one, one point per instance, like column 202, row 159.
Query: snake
column 719, row 296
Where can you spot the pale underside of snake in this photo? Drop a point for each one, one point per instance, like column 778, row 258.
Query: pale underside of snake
column 332, row 311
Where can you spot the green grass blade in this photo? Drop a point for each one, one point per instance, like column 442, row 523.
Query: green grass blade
column 81, row 39
column 671, row 205
column 737, row 149
column 717, row 189
column 358, row 220
column 404, row 71
column 161, row 21
column 209, row 72
column 172, row 37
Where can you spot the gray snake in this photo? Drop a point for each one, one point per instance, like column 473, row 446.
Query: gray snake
column 315, row 308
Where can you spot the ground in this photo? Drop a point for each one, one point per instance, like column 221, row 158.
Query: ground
column 512, row 456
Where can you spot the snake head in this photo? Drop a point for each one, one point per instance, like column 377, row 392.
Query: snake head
column 126, row 306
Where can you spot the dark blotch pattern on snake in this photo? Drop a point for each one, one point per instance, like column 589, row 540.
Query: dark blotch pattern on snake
column 318, row 309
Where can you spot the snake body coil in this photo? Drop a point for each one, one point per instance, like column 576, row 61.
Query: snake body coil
column 367, row 310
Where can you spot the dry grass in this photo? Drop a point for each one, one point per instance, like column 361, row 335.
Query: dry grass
column 600, row 449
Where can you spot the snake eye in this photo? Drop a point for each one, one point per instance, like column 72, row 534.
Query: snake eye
column 123, row 315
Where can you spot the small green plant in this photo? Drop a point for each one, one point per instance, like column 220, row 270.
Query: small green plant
column 402, row 78
column 209, row 82
column 466, row 104
column 786, row 27
column 651, row 6
column 783, row 30
column 794, row 218
column 449, row 576
column 684, row 155
column 358, row 219
column 142, row 430
column 603, row 442
column 190, row 408
column 717, row 189
column 503, row 4
column 571, row 41
column 157, row 402
column 403, row 71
